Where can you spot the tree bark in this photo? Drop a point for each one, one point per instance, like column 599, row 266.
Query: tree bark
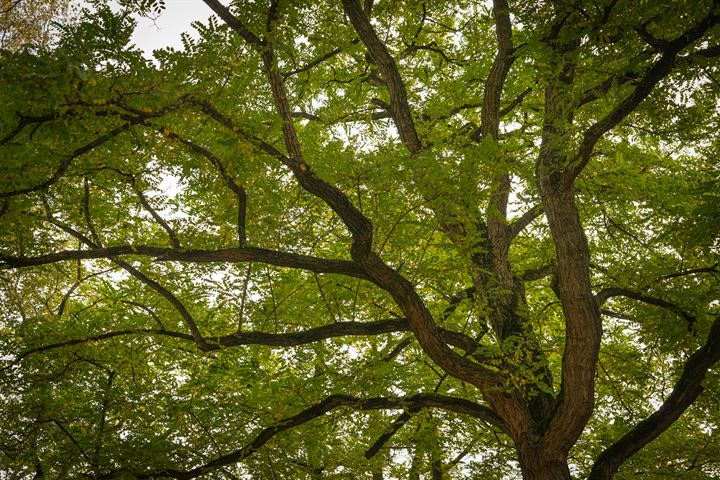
column 537, row 464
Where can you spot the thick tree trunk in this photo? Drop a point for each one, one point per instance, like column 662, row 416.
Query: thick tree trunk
column 540, row 465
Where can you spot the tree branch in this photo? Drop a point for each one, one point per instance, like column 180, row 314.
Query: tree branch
column 96, row 338
column 138, row 117
column 412, row 403
column 515, row 102
column 391, row 75
column 25, row 121
column 592, row 94
column 164, row 292
column 607, row 293
column 228, row 255
column 236, row 188
column 161, row 221
column 693, row 271
column 583, row 329
column 402, row 291
column 391, row 430
column 65, row 164
column 517, row 226
column 359, row 226
column 540, row 272
column 686, row 390
column 660, row 70
column 290, row 339
column 317, row 61
column 490, row 117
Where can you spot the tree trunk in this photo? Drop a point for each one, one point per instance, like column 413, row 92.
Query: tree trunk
column 541, row 465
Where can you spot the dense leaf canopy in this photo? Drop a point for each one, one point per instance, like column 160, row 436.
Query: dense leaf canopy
column 29, row 22
column 423, row 239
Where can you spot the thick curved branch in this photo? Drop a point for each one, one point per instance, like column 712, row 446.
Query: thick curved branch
column 391, row 75
column 359, row 225
column 228, row 255
column 233, row 22
column 342, row 329
column 661, row 69
column 499, row 233
column 412, row 403
column 333, row 330
column 583, row 328
column 686, row 390
column 504, row 58
column 539, row 273
column 517, row 226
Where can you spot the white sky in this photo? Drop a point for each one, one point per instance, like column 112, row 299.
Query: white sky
column 166, row 29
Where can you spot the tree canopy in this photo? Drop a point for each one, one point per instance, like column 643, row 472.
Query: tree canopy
column 29, row 22
column 419, row 239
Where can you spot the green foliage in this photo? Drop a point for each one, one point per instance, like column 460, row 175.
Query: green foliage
column 76, row 404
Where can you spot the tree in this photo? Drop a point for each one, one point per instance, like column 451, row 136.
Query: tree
column 29, row 22
column 380, row 240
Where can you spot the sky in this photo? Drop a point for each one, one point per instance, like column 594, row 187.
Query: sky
column 165, row 30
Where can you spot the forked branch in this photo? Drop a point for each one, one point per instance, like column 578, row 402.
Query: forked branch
column 360, row 226
column 391, row 75
column 659, row 70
